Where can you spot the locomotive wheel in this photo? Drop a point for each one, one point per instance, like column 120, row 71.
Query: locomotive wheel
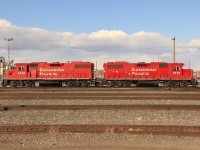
column 182, row 84
column 70, row 84
column 185, row 84
column 100, row 84
column 85, row 84
column 14, row 84
column 17, row 84
column 126, row 84
column 27, row 84
column 168, row 84
column 138, row 84
column 110, row 84
column 118, row 84
column 77, row 84
column 32, row 84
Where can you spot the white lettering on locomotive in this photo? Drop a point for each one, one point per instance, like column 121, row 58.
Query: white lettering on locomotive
column 21, row 73
column 48, row 74
column 142, row 71
column 176, row 72
column 51, row 70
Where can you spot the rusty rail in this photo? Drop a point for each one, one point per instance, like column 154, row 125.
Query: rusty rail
column 99, row 107
column 128, row 129
column 100, row 96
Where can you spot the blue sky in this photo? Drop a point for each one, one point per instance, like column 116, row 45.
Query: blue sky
column 171, row 17
column 103, row 30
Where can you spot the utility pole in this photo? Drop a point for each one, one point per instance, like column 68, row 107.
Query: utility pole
column 189, row 63
column 174, row 39
column 96, row 70
column 9, row 39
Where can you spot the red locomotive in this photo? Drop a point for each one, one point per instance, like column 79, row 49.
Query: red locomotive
column 125, row 74
column 71, row 74
column 116, row 74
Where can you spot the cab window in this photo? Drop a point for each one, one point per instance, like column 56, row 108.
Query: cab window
column 176, row 68
column 20, row 68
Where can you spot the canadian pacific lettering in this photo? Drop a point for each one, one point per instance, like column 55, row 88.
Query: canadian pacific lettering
column 55, row 69
column 142, row 71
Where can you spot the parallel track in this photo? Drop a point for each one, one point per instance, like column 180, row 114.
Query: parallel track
column 99, row 107
column 130, row 89
column 100, row 96
column 128, row 129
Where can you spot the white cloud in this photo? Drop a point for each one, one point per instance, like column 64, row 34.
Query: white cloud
column 4, row 23
column 35, row 44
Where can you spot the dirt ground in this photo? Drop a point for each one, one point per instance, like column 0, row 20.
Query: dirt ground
column 106, row 141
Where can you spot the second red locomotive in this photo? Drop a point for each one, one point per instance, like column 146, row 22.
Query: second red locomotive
column 125, row 74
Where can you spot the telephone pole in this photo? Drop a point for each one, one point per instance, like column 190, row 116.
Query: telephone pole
column 9, row 39
column 174, row 39
column 189, row 63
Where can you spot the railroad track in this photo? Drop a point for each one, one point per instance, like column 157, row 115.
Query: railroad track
column 81, row 89
column 100, row 96
column 127, row 129
column 94, row 89
column 99, row 107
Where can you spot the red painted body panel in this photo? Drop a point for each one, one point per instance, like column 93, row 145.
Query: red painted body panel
column 51, row 71
column 146, row 71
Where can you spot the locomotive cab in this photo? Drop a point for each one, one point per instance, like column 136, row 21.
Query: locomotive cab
column 176, row 72
column 20, row 71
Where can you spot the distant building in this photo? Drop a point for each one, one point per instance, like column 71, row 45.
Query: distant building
column 99, row 73
column 2, row 66
column 196, row 74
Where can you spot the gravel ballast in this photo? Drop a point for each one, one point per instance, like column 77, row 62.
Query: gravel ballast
column 105, row 141
column 99, row 102
column 144, row 117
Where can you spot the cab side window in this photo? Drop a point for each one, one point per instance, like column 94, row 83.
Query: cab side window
column 20, row 68
column 176, row 68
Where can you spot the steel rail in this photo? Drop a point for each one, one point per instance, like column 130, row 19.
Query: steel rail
column 196, row 89
column 62, row 97
column 99, row 107
column 125, row 129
